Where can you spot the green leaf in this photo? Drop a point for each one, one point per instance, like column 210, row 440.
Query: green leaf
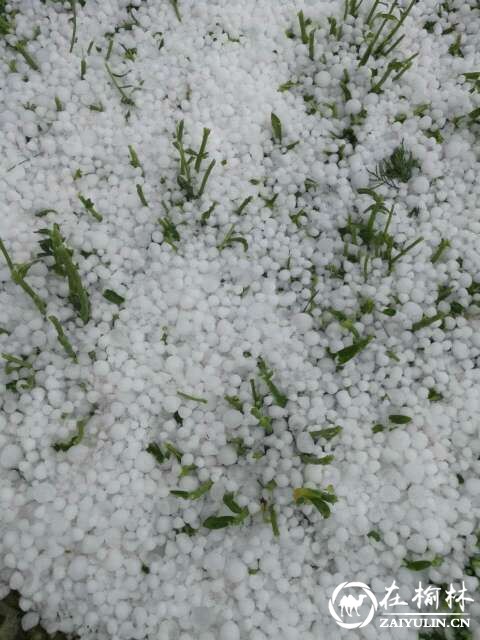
column 346, row 354
column 375, row 535
column 196, row 494
column 235, row 402
column 421, row 565
column 219, row 522
column 286, row 86
column 276, row 127
column 327, row 434
column 155, row 450
column 186, row 396
column 399, row 419
column 307, row 458
column 229, row 501
column 266, row 374
column 113, row 297
column 62, row 338
column 434, row 395
column 74, row 440
column 274, row 521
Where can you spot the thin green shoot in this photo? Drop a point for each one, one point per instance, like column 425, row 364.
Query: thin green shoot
column 125, row 99
column 398, row 66
column 185, row 178
column 386, row 17
column 141, row 195
column 256, row 411
column 174, row 4
column 303, row 23
column 187, row 396
column 326, row 434
column 443, row 245
column 403, row 15
column 58, row 104
column 18, row 273
column 426, row 321
column 393, row 259
column 266, row 374
column 311, row 45
column 206, row 214
column 75, row 439
column 83, row 68
column 286, row 86
column 344, row 86
column 23, row 369
column 170, row 232
column 202, row 154
column 240, row 209
column 232, row 237
column 134, row 160
column 90, row 207
column 273, row 520
column 196, row 494
column 62, row 338
column 235, row 403
column 308, row 458
column 352, row 8
column 21, row 48
column 73, row 6
column 53, row 245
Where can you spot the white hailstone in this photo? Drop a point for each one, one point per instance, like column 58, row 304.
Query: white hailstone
column 413, row 311
column 101, row 368
column 232, row 418
column 229, row 631
column 145, row 462
column 10, row 456
column 227, row 455
column 171, row 404
column 460, row 350
column 323, row 79
column 30, row 620
column 314, row 473
column 420, row 185
column 302, row 321
column 77, row 454
column 353, row 106
column 113, row 560
column 417, row 544
column 235, row 570
column 78, row 568
column 472, row 485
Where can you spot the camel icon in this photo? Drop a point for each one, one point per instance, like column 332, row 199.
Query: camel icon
column 350, row 604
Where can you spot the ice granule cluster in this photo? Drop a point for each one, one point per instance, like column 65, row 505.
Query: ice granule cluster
column 239, row 311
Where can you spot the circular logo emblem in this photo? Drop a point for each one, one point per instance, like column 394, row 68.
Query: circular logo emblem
column 348, row 612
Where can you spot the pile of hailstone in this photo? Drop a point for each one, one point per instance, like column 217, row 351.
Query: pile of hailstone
column 239, row 310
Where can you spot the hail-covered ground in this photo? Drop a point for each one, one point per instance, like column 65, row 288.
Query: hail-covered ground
column 239, row 311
